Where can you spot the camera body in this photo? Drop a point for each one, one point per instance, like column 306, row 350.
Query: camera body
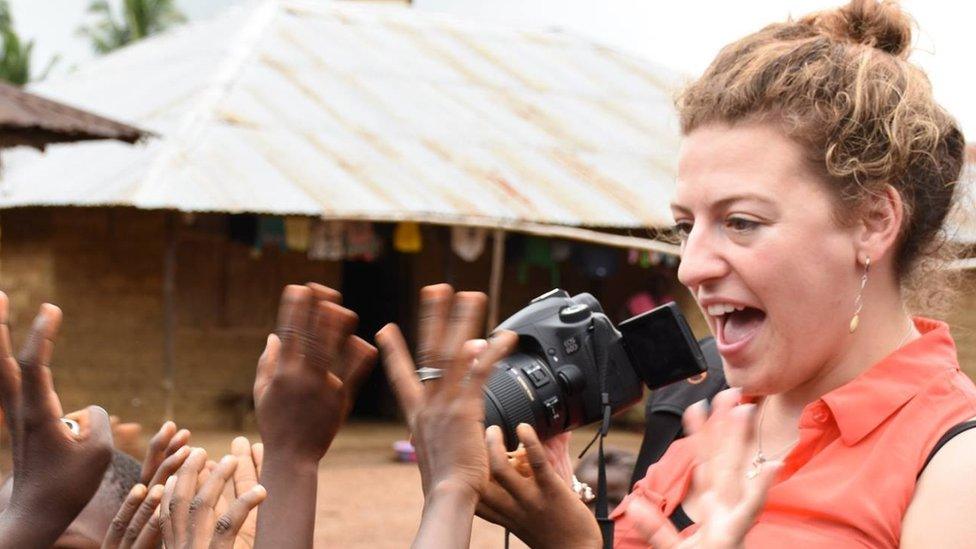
column 570, row 355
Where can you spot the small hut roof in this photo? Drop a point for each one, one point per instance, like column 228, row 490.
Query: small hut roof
column 29, row 119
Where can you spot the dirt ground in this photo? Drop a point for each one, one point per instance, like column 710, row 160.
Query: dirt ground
column 366, row 500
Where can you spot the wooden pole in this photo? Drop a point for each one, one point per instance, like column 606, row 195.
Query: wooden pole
column 495, row 282
column 169, row 315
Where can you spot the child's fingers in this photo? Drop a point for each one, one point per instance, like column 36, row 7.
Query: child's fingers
column 246, row 475
column 119, row 524
column 142, row 519
column 229, row 523
column 169, row 466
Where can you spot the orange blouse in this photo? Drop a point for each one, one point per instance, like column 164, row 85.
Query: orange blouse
column 851, row 476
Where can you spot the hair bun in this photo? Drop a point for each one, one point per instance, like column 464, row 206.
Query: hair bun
column 879, row 24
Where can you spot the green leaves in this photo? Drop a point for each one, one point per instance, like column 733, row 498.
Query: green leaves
column 15, row 59
column 139, row 19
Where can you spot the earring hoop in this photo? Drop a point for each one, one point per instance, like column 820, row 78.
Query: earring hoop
column 859, row 301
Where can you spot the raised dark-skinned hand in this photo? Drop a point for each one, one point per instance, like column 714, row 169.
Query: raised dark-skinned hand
column 55, row 471
column 446, row 321
column 304, row 389
column 446, row 416
column 136, row 524
column 538, row 507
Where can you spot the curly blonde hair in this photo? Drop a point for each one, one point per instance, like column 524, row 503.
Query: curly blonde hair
column 839, row 82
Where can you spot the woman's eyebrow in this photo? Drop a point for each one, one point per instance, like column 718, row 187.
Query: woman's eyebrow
column 728, row 201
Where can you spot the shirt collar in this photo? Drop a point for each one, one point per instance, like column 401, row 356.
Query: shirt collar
column 861, row 405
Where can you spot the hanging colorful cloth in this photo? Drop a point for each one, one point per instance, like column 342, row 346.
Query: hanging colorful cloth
column 361, row 241
column 537, row 253
column 327, row 240
column 297, row 229
column 468, row 242
column 407, row 238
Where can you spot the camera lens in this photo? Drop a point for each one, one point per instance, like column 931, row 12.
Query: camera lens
column 522, row 390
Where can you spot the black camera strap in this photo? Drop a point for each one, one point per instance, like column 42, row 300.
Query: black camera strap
column 602, row 505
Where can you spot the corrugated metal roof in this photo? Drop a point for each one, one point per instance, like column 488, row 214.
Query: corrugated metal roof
column 374, row 112
column 28, row 119
column 961, row 226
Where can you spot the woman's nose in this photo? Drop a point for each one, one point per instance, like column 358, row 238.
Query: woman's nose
column 701, row 259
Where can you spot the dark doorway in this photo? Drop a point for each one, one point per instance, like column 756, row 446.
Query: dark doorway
column 374, row 290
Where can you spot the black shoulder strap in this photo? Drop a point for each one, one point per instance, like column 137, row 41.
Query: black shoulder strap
column 662, row 416
column 953, row 431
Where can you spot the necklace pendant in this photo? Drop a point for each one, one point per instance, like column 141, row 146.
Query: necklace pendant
column 756, row 466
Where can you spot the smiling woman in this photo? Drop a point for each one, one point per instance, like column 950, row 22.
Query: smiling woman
column 813, row 182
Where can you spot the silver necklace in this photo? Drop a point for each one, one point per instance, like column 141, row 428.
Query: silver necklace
column 761, row 458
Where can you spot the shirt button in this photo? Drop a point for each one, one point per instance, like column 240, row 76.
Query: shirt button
column 820, row 414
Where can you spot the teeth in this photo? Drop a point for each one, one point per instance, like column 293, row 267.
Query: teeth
column 720, row 309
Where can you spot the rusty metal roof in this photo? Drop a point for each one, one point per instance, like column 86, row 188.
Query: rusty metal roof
column 29, row 119
column 373, row 112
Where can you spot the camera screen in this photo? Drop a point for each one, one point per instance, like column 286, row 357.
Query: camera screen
column 661, row 347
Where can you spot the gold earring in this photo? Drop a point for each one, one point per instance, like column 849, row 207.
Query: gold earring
column 859, row 301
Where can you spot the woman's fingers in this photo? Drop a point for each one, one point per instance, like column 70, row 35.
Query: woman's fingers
column 141, row 521
column 732, row 457
column 229, row 523
column 400, row 370
column 119, row 524
column 653, row 525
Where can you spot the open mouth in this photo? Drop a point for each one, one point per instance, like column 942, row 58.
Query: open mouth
column 735, row 324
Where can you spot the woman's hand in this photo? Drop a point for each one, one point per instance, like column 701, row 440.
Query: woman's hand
column 446, row 416
column 541, row 509
column 730, row 500
column 54, row 469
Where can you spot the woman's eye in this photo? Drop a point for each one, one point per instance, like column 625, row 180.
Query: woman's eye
column 681, row 229
column 741, row 225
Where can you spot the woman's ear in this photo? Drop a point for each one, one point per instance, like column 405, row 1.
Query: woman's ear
column 879, row 225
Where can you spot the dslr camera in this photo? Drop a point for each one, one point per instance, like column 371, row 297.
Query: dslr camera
column 572, row 366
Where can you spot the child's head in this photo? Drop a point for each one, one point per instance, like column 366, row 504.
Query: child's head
column 90, row 526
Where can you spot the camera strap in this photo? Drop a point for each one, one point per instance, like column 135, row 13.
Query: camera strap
column 602, row 506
